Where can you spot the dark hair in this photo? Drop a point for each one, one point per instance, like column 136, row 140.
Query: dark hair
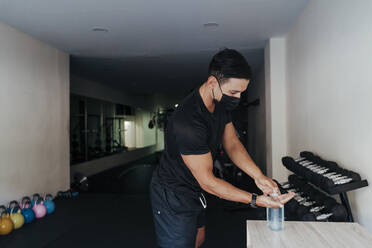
column 229, row 63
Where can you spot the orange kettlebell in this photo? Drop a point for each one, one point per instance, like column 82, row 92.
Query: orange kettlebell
column 6, row 224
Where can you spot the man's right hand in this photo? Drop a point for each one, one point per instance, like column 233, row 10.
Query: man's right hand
column 274, row 202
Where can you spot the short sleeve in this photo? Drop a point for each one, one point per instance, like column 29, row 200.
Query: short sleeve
column 191, row 137
column 228, row 117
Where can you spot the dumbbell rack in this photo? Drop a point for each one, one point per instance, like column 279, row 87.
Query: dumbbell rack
column 341, row 190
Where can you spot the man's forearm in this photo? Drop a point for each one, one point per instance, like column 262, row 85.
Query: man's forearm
column 227, row 191
column 240, row 157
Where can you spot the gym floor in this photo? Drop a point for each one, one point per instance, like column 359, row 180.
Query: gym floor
column 102, row 217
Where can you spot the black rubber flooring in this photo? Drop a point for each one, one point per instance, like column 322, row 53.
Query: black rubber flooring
column 97, row 220
column 101, row 218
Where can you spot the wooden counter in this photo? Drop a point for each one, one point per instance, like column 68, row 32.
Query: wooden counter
column 308, row 235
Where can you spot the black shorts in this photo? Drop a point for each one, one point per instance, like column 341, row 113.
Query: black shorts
column 176, row 217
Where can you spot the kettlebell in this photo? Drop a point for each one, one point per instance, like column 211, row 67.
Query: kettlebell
column 27, row 211
column 16, row 217
column 6, row 224
column 13, row 207
column 49, row 204
column 38, row 207
column 37, row 197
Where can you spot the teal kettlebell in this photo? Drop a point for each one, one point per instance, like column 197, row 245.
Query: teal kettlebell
column 49, row 204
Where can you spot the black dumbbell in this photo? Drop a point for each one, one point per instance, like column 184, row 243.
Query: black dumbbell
column 291, row 206
column 313, row 201
column 309, row 169
column 337, row 212
column 290, row 164
column 347, row 176
column 64, row 194
column 303, row 186
column 310, row 210
column 341, row 176
column 296, row 180
column 307, row 155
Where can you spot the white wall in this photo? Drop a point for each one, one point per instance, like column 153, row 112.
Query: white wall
column 275, row 94
column 144, row 135
column 130, row 133
column 34, row 107
column 329, row 61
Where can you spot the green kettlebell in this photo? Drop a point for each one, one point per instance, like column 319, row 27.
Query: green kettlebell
column 6, row 224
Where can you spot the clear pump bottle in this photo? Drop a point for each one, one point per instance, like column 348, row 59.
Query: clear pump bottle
column 275, row 217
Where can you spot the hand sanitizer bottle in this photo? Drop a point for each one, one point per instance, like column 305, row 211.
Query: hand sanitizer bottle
column 275, row 217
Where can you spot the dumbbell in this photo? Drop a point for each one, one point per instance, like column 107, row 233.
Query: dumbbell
column 305, row 168
column 308, row 209
column 296, row 180
column 321, row 212
column 66, row 194
column 318, row 216
column 291, row 206
column 330, row 180
column 302, row 184
column 307, row 155
column 313, row 201
column 310, row 191
column 291, row 165
column 333, row 166
column 313, row 168
column 350, row 174
column 301, row 198
column 336, row 177
column 320, row 175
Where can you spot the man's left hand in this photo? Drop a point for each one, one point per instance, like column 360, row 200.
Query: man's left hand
column 267, row 185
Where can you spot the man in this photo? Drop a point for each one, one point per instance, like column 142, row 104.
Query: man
column 194, row 131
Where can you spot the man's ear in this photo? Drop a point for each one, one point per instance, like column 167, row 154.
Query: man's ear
column 212, row 81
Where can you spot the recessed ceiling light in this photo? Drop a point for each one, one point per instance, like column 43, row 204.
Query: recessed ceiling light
column 211, row 25
column 99, row 29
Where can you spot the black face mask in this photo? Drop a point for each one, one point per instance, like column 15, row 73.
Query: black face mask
column 229, row 102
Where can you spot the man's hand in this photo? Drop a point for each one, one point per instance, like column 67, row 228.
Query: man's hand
column 270, row 202
column 266, row 185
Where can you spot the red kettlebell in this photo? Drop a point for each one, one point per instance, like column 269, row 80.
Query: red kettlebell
column 38, row 208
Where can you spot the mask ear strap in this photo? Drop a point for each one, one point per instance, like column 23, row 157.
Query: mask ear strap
column 219, row 85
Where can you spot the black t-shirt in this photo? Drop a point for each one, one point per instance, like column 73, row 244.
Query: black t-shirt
column 191, row 129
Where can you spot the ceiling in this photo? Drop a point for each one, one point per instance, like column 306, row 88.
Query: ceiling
column 162, row 74
column 151, row 46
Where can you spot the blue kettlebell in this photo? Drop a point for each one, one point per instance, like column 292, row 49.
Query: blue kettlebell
column 49, row 204
column 27, row 211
